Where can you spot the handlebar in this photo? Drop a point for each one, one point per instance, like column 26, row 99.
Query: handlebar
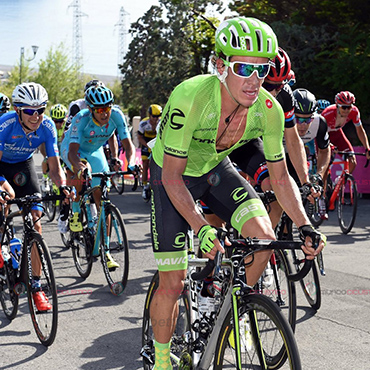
column 348, row 154
column 249, row 246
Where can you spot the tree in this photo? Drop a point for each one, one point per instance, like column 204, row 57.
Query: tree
column 163, row 53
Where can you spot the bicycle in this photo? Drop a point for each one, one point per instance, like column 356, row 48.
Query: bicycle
column 50, row 206
column 310, row 283
column 344, row 192
column 101, row 234
column 16, row 274
column 247, row 329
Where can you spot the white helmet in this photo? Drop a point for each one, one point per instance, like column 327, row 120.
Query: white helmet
column 29, row 94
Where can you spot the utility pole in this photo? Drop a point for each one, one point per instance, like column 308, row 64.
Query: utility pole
column 77, row 32
column 122, row 33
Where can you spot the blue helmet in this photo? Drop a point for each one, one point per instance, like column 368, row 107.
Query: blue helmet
column 98, row 96
column 4, row 103
column 322, row 104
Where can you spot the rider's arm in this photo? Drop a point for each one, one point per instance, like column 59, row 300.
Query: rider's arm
column 113, row 146
column 74, row 158
column 297, row 153
column 363, row 138
column 129, row 151
column 56, row 172
column 323, row 143
column 140, row 138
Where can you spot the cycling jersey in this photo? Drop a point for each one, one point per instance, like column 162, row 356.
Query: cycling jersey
column 190, row 122
column 17, row 146
column 146, row 130
column 90, row 135
column 318, row 130
column 335, row 122
column 286, row 100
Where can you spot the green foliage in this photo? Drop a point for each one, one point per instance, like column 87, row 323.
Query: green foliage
column 328, row 42
column 165, row 52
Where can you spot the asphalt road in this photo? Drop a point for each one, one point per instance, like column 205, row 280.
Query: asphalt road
column 98, row 330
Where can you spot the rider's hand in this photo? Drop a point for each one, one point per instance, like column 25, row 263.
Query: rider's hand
column 208, row 241
column 367, row 153
column 70, row 193
column 134, row 169
column 117, row 163
column 314, row 241
column 310, row 191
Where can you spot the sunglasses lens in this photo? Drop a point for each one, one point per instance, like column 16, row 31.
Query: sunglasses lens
column 304, row 120
column 246, row 70
column 31, row 112
column 271, row 87
column 58, row 120
column 345, row 106
column 103, row 110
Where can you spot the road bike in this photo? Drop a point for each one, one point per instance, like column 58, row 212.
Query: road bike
column 343, row 192
column 17, row 272
column 101, row 234
column 310, row 283
column 246, row 330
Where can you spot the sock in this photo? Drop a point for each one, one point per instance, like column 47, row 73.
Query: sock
column 162, row 356
column 75, row 207
column 36, row 283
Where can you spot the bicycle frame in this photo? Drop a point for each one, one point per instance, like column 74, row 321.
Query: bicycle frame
column 334, row 196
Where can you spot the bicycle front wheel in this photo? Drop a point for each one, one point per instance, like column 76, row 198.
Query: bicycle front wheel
column 347, row 204
column 266, row 338
column 8, row 297
column 117, row 245
column 311, row 287
column 50, row 207
column 179, row 347
column 44, row 322
column 82, row 245
column 118, row 182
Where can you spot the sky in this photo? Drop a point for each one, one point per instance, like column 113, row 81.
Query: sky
column 47, row 23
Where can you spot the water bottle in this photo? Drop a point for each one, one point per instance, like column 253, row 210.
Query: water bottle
column 15, row 251
column 322, row 208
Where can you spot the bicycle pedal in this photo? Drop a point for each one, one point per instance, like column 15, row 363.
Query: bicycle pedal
column 111, row 269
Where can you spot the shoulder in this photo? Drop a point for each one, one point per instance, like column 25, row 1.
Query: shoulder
column 286, row 98
column 268, row 103
column 196, row 84
column 7, row 120
column 330, row 111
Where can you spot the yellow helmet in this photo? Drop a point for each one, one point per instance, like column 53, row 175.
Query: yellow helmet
column 155, row 110
column 58, row 112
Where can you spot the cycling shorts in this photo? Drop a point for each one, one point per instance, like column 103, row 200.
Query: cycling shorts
column 145, row 153
column 227, row 193
column 22, row 177
column 251, row 160
column 97, row 160
column 340, row 140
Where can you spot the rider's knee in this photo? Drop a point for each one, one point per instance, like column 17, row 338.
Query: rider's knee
column 171, row 283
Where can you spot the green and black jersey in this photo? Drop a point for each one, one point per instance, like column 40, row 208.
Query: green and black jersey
column 190, row 122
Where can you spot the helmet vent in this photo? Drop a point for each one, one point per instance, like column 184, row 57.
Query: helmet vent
column 234, row 42
column 259, row 40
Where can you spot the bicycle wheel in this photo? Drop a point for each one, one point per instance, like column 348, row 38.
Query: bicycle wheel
column 8, row 296
column 49, row 207
column 312, row 214
column 267, row 340
column 311, row 287
column 179, row 348
column 281, row 290
column 347, row 204
column 118, row 248
column 82, row 244
column 44, row 322
column 118, row 182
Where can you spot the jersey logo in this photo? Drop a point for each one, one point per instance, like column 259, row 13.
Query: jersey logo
column 179, row 240
column 92, row 133
column 175, row 125
column 20, row 179
column 268, row 103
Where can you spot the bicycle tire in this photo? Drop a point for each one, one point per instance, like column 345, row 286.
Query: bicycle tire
column 45, row 323
column 273, row 333
column 118, row 182
column 283, row 291
column 312, row 215
column 118, row 248
column 347, row 204
column 311, row 287
column 82, row 244
column 178, row 345
column 50, row 207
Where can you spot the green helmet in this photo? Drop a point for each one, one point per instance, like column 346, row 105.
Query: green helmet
column 246, row 37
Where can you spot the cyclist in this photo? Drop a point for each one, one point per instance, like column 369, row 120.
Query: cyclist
column 148, row 131
column 339, row 114
column 322, row 104
column 21, row 133
column 205, row 118
column 79, row 104
column 250, row 157
column 82, row 145
column 58, row 114
column 4, row 104
column 291, row 78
